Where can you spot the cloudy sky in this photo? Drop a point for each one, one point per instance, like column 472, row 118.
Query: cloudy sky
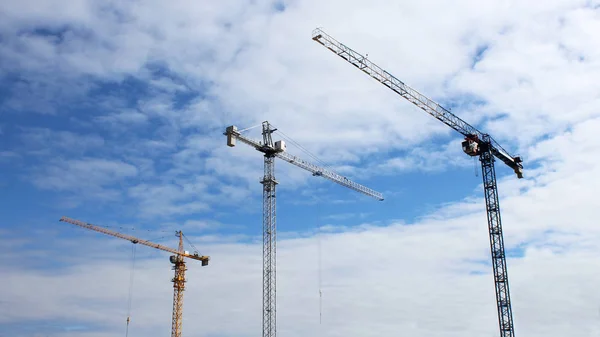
column 112, row 112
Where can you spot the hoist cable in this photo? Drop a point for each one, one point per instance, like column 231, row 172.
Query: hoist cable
column 130, row 288
column 303, row 149
column 190, row 243
column 252, row 127
column 320, row 277
column 319, row 265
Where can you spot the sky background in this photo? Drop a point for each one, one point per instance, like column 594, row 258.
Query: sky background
column 113, row 113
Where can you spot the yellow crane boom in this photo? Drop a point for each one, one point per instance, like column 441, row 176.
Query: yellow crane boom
column 133, row 239
column 177, row 261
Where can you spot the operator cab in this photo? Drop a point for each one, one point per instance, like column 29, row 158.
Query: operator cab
column 471, row 145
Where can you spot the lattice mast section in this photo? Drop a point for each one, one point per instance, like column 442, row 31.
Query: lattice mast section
column 492, row 204
column 269, row 324
column 178, row 288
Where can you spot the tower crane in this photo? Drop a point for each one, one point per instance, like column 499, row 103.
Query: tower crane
column 476, row 143
column 271, row 150
column 177, row 260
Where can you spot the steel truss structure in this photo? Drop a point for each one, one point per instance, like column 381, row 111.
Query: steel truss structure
column 476, row 143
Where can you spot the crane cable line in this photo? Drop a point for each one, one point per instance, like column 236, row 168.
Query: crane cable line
column 133, row 245
column 319, row 265
column 303, row 149
column 131, row 275
column 190, row 243
column 292, row 141
column 320, row 275
column 250, row 128
column 136, row 229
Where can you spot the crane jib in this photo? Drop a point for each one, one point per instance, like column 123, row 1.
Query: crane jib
column 134, row 240
column 431, row 107
column 232, row 135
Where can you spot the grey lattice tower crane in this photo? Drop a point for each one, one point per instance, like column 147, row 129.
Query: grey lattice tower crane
column 476, row 143
column 271, row 150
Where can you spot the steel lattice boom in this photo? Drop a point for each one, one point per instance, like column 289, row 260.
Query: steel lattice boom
column 413, row 96
column 178, row 288
column 316, row 170
column 476, row 143
column 271, row 150
column 133, row 239
column 269, row 247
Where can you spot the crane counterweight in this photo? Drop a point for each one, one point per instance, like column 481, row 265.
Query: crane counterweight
column 231, row 133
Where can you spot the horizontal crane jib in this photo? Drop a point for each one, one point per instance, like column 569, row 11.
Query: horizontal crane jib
column 337, row 178
column 316, row 170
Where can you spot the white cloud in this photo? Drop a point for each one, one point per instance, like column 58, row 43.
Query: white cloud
column 428, row 158
column 537, row 78
column 426, row 278
column 91, row 177
column 247, row 76
column 166, row 199
column 271, row 65
column 8, row 156
column 128, row 117
column 45, row 141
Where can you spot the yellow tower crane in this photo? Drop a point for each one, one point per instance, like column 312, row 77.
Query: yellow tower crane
column 177, row 261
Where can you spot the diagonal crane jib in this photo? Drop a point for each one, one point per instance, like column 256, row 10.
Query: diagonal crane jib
column 476, row 144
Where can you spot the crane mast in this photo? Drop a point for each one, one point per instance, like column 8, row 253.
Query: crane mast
column 269, row 234
column 177, row 260
column 476, row 143
column 272, row 150
column 178, row 288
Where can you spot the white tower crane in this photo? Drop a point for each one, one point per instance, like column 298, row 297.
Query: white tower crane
column 272, row 150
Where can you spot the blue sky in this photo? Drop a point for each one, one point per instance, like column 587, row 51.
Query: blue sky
column 114, row 114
